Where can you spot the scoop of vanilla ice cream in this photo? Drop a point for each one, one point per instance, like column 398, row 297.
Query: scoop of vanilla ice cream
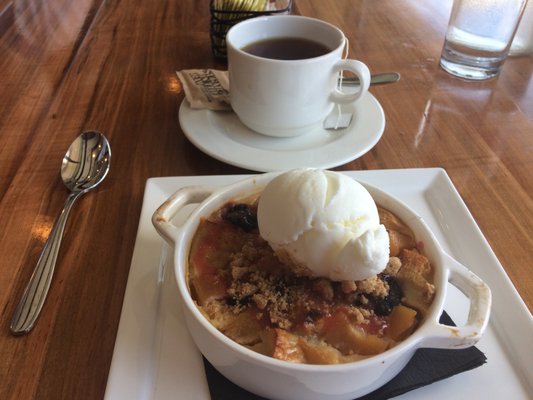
column 325, row 221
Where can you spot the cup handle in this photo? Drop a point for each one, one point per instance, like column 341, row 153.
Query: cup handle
column 162, row 217
column 445, row 336
column 361, row 71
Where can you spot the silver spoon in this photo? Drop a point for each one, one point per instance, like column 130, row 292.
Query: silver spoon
column 375, row 79
column 339, row 120
column 84, row 167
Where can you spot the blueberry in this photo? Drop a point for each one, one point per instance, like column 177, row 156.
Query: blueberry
column 383, row 306
column 241, row 215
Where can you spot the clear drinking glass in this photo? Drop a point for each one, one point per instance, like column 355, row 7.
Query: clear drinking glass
column 479, row 35
column 523, row 39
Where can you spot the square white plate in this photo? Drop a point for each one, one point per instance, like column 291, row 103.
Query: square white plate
column 154, row 357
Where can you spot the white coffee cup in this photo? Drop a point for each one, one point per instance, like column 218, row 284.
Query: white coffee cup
column 285, row 98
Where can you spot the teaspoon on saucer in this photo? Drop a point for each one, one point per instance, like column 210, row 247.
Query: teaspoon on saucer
column 375, row 79
column 341, row 120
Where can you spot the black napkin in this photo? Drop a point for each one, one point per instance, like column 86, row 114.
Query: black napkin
column 426, row 366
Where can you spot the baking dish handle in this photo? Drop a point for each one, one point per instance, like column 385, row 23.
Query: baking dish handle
column 445, row 336
column 162, row 217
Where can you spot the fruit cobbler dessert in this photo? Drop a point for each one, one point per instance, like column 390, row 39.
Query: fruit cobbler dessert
column 310, row 270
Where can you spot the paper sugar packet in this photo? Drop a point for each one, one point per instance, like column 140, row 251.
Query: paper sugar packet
column 206, row 88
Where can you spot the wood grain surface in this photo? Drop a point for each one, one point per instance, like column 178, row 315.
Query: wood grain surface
column 68, row 66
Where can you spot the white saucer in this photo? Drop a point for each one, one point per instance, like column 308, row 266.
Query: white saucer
column 221, row 135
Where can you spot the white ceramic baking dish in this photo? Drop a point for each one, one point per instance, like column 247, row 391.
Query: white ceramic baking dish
column 276, row 379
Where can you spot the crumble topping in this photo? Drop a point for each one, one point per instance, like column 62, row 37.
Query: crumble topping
column 251, row 295
column 259, row 281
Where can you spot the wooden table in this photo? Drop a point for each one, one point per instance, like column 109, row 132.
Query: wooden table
column 68, row 66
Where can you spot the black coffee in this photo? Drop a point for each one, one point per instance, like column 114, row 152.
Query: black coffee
column 287, row 48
